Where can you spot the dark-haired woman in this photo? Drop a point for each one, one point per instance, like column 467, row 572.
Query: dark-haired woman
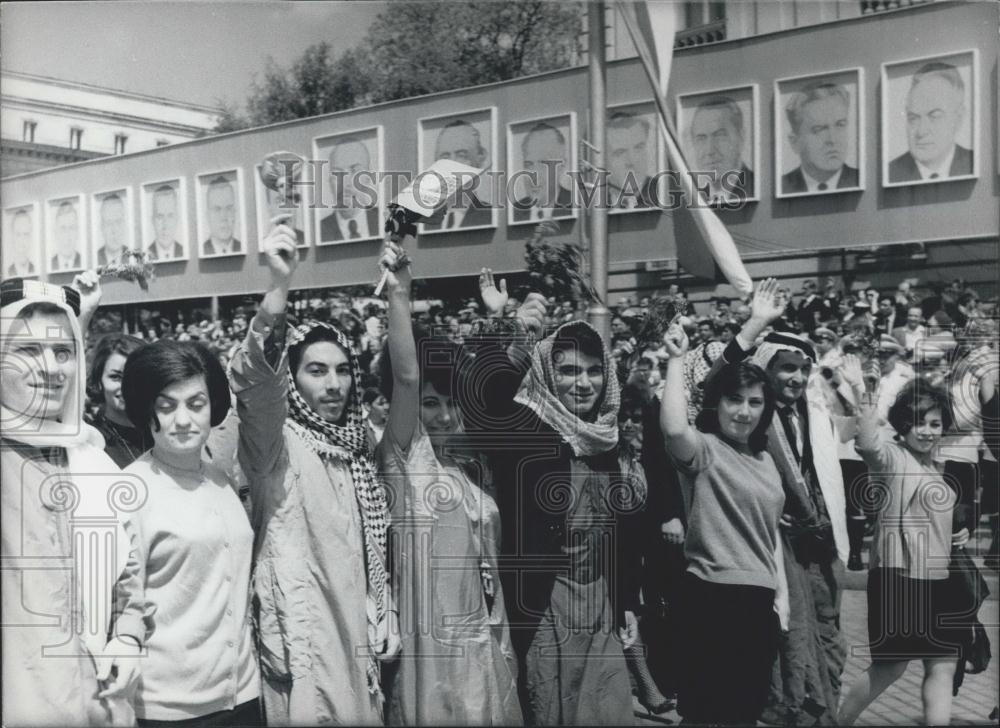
column 197, row 544
column 734, row 499
column 123, row 442
column 908, row 589
column 457, row 666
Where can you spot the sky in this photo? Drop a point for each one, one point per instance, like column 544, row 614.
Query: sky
column 199, row 52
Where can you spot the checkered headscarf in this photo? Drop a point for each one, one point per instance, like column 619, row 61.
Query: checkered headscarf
column 348, row 443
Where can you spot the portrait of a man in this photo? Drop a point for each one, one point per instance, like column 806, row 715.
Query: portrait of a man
column 817, row 128
column 20, row 248
column 631, row 159
column 112, row 234
column 164, row 221
column 65, row 253
column 470, row 140
column 220, row 215
column 719, row 137
column 936, row 117
column 353, row 166
column 539, row 160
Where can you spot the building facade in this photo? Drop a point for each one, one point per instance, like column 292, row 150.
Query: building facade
column 46, row 122
column 873, row 226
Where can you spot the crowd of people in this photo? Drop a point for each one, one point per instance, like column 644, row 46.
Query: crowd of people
column 487, row 514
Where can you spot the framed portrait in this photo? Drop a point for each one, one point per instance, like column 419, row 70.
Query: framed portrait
column 819, row 148
column 66, row 249
column 720, row 138
column 111, row 225
column 634, row 158
column 540, row 155
column 349, row 204
column 21, row 241
column 930, row 119
column 269, row 205
column 221, row 214
column 469, row 137
column 163, row 208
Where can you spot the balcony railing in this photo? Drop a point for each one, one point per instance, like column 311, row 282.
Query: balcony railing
column 878, row 6
column 700, row 35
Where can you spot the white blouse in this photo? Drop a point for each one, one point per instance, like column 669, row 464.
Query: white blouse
column 197, row 545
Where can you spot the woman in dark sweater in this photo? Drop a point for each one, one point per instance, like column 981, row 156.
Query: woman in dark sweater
column 734, row 499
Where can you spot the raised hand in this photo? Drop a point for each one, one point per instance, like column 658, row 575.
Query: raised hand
column 495, row 299
column 675, row 341
column 767, row 304
column 396, row 263
column 280, row 253
column 88, row 285
column 850, row 371
column 532, row 312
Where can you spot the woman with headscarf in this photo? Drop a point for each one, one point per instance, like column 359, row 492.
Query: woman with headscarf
column 548, row 415
column 457, row 666
column 58, row 486
column 319, row 512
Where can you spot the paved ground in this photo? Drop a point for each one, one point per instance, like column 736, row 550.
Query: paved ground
column 900, row 705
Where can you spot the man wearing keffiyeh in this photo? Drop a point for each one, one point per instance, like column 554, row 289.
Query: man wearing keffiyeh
column 805, row 686
column 325, row 617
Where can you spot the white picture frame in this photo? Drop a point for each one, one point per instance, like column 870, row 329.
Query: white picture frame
column 22, row 246
column 153, row 202
column 703, row 155
column 484, row 215
column 326, row 221
column 235, row 224
column 911, row 153
column 820, row 97
column 555, row 130
column 58, row 232
column 108, row 218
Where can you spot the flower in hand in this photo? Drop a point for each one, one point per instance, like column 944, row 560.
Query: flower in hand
column 675, row 341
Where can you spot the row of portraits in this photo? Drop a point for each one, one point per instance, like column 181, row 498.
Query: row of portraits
column 929, row 132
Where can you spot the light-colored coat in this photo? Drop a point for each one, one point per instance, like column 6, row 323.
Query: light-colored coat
column 309, row 580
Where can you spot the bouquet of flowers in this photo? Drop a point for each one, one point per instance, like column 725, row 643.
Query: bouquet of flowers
column 132, row 266
column 555, row 268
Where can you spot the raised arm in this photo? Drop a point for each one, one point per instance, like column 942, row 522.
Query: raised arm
column 678, row 436
column 403, row 412
column 868, row 441
column 766, row 307
column 258, row 374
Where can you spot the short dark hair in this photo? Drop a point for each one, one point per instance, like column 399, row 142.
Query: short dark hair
column 577, row 336
column 441, row 363
column 914, row 401
column 729, row 380
column 106, row 347
column 370, row 395
column 152, row 368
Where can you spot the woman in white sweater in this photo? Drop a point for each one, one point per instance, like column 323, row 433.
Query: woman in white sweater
column 196, row 543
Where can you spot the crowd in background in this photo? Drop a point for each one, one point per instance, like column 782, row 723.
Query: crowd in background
column 741, row 450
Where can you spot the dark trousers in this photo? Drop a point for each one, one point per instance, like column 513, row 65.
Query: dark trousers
column 860, row 505
column 245, row 715
column 730, row 642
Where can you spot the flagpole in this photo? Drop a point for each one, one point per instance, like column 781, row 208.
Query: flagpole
column 598, row 313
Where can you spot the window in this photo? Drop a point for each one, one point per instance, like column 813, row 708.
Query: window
column 120, row 140
column 28, row 132
column 162, row 142
column 75, row 137
column 703, row 12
